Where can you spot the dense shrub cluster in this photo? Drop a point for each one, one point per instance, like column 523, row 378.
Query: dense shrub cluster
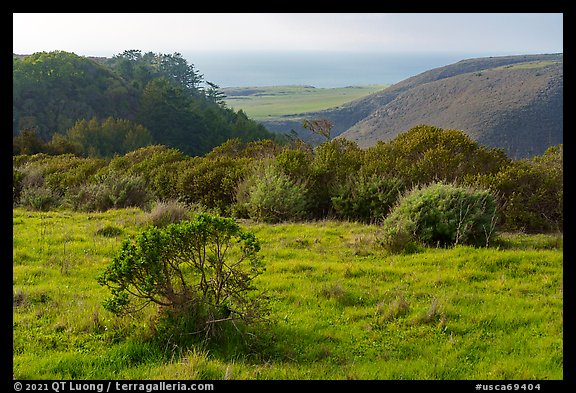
column 270, row 182
column 441, row 215
column 270, row 195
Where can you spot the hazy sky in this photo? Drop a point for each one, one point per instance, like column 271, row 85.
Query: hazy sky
column 101, row 34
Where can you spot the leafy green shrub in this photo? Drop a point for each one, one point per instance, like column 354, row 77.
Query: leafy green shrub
column 334, row 162
column 211, row 182
column 63, row 171
column 441, row 215
column 17, row 178
column 366, row 199
column 199, row 271
column 30, row 189
column 295, row 163
column 90, row 197
column 426, row 154
column 532, row 192
column 269, row 195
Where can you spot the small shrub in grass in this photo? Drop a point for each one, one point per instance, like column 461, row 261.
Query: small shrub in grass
column 17, row 178
column 112, row 191
column 441, row 215
column 168, row 212
column 200, row 273
column 109, row 231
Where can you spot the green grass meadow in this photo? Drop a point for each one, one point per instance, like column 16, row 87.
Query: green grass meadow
column 341, row 307
column 273, row 102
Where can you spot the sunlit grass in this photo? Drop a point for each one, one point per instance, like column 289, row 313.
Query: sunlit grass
column 342, row 307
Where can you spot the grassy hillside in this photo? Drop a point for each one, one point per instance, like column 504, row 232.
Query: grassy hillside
column 341, row 307
column 275, row 102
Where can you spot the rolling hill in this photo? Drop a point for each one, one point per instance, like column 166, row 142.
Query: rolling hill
column 509, row 102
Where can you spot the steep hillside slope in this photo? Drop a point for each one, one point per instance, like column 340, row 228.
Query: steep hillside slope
column 512, row 102
column 517, row 107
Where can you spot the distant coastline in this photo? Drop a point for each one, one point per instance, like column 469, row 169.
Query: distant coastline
column 319, row 69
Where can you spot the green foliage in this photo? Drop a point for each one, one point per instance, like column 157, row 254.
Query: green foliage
column 104, row 139
column 441, row 215
column 67, row 172
column 532, row 192
column 296, row 163
column 333, row 163
column 141, row 68
column 17, row 177
column 43, row 180
column 52, row 90
column 109, row 231
column 133, row 100
column 200, row 270
column 157, row 164
column 367, row 199
column 425, row 154
column 27, row 142
column 40, row 198
column 266, row 181
column 112, row 191
column 211, row 182
column 269, row 195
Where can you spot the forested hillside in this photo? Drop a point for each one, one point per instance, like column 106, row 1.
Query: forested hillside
column 65, row 103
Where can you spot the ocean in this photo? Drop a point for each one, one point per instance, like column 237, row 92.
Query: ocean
column 318, row 69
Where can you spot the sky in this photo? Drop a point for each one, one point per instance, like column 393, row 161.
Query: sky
column 107, row 34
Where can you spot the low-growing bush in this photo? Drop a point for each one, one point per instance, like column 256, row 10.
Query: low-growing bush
column 39, row 198
column 17, row 178
column 109, row 231
column 168, row 212
column 532, row 192
column 441, row 215
column 112, row 191
column 200, row 273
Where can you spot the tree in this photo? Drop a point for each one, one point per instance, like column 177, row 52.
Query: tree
column 176, row 68
column 201, row 269
column 27, row 142
column 214, row 94
column 319, row 127
column 109, row 137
